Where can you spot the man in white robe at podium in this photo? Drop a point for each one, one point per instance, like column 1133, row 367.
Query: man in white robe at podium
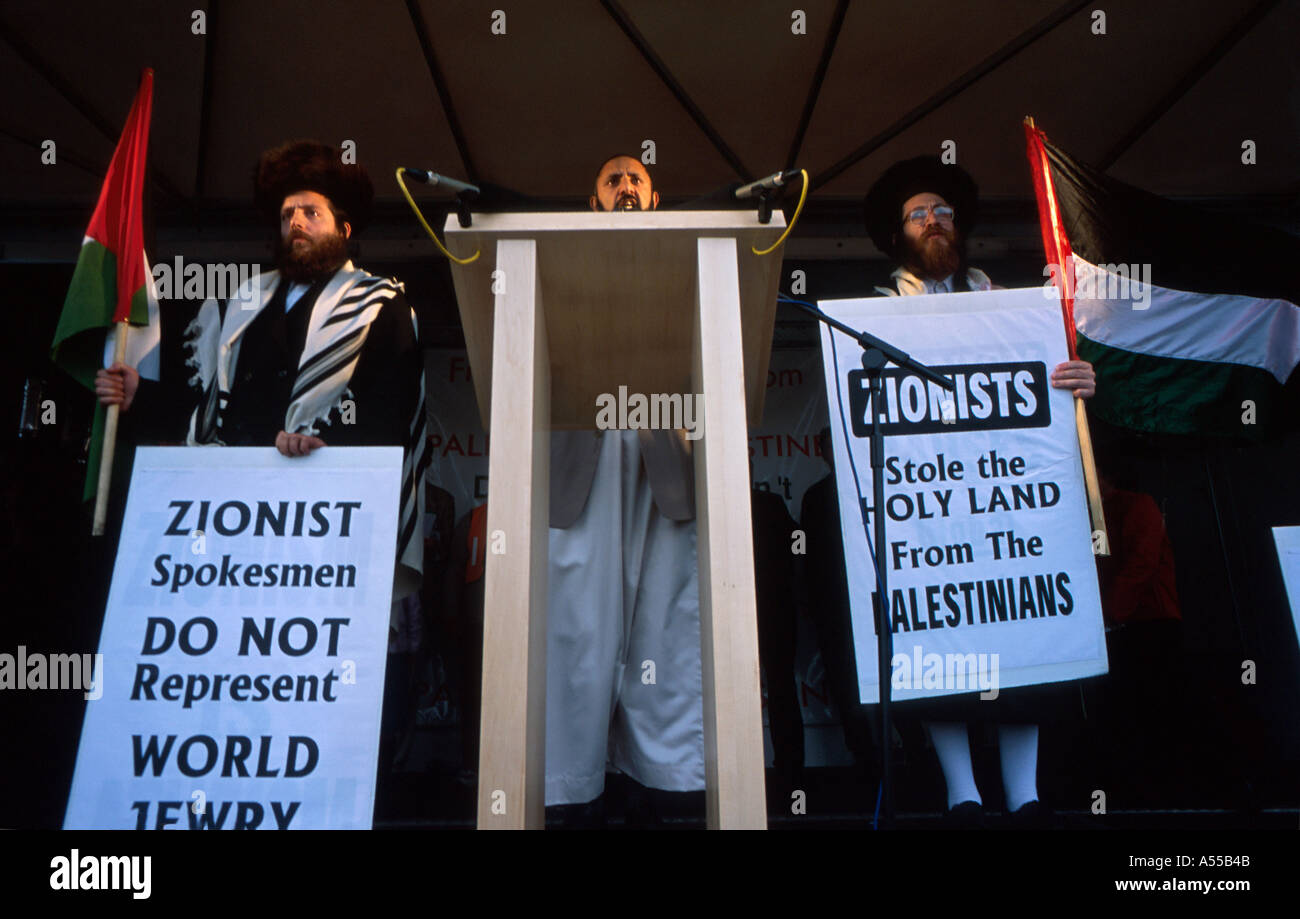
column 624, row 688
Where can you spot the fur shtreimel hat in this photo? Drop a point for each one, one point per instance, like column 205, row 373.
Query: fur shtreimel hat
column 884, row 203
column 309, row 165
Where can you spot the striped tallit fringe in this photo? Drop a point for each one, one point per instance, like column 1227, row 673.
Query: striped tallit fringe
column 416, row 457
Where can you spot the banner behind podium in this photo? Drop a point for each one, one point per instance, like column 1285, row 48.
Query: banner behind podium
column 991, row 575
column 244, row 643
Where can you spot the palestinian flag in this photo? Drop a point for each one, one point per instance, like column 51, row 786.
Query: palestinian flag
column 1190, row 319
column 111, row 282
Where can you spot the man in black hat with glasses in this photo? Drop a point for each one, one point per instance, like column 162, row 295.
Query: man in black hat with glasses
column 920, row 212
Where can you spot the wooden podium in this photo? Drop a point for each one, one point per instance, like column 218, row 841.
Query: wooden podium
column 558, row 309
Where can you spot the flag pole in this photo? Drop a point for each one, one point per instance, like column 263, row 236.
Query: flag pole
column 1100, row 546
column 110, row 442
column 1065, row 281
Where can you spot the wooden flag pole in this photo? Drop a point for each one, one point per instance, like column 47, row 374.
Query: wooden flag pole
column 1100, row 544
column 110, row 442
column 1091, row 482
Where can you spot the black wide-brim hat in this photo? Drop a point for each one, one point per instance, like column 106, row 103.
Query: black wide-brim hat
column 309, row 165
column 884, row 202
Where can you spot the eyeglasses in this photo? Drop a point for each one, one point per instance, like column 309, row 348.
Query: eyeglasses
column 942, row 213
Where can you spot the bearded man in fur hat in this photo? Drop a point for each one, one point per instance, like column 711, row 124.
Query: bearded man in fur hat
column 314, row 352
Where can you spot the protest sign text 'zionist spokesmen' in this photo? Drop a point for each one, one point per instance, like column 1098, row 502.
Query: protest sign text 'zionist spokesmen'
column 244, row 643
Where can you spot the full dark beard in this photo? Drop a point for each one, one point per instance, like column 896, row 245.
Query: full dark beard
column 316, row 261
column 628, row 201
column 930, row 258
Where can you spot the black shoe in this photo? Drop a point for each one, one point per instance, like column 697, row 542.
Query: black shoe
column 968, row 815
column 1031, row 816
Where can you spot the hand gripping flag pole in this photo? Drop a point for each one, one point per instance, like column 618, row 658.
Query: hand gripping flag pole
column 109, row 286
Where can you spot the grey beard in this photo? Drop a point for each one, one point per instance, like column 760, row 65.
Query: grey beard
column 319, row 260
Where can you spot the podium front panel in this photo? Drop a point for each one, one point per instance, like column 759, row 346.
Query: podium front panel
column 619, row 292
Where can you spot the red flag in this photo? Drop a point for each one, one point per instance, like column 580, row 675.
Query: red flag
column 118, row 221
column 108, row 284
column 1056, row 245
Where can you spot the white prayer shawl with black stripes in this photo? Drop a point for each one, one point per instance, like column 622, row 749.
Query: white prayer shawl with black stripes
column 336, row 332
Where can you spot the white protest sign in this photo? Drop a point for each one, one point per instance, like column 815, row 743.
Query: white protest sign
column 991, row 576
column 244, row 643
column 1287, row 540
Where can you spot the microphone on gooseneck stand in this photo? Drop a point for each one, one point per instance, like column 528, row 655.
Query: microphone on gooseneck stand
column 429, row 177
column 768, row 183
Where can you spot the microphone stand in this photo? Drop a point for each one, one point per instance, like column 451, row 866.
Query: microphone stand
column 463, row 201
column 876, row 353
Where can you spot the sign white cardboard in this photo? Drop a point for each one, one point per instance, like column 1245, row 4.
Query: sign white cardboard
column 244, row 643
column 989, row 552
